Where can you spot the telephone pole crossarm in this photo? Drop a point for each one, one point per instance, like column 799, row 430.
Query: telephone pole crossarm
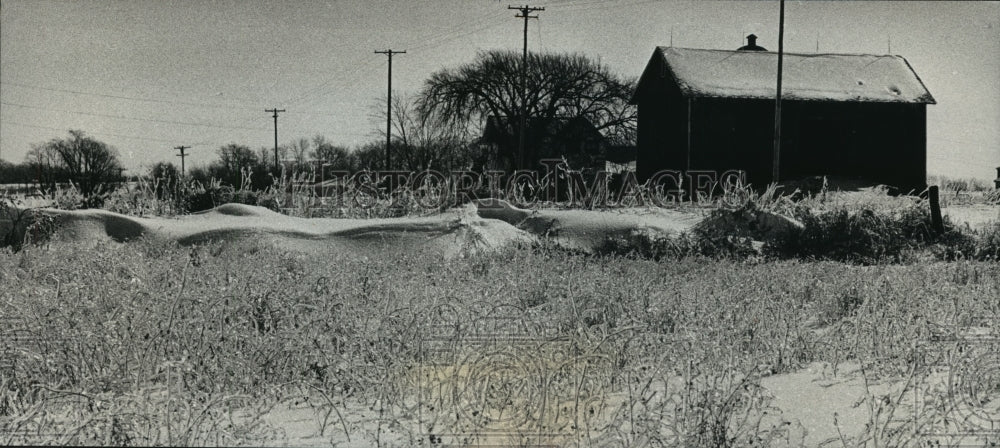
column 182, row 155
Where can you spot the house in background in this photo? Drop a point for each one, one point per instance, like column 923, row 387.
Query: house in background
column 576, row 139
column 843, row 115
column 619, row 159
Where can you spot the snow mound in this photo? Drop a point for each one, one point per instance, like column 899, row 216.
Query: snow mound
column 500, row 209
column 589, row 230
column 473, row 228
column 455, row 233
column 241, row 210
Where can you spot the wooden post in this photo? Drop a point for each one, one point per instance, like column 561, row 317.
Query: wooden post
column 936, row 222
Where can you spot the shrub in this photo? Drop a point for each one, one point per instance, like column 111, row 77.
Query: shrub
column 992, row 197
column 216, row 194
column 865, row 236
column 987, row 242
column 20, row 226
column 206, row 199
column 867, row 229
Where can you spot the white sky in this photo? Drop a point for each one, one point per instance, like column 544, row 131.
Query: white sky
column 148, row 75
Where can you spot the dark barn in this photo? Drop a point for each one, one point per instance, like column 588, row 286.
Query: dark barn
column 849, row 116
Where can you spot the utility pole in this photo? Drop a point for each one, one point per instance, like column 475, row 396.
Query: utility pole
column 525, row 14
column 182, row 156
column 388, row 106
column 775, row 168
column 275, row 110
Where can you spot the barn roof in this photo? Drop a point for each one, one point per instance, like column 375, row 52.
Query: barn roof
column 818, row 77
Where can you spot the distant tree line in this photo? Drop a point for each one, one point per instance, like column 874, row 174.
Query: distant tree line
column 88, row 163
column 238, row 164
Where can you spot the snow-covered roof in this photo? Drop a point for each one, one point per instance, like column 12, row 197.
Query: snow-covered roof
column 823, row 77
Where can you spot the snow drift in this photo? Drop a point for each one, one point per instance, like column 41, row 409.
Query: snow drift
column 472, row 228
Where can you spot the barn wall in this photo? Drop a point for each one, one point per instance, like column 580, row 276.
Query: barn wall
column 649, row 138
column 661, row 127
column 731, row 134
column 913, row 167
column 878, row 142
column 661, row 136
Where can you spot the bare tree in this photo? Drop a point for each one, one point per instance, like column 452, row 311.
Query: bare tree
column 88, row 162
column 337, row 157
column 299, row 151
column 422, row 141
column 265, row 156
column 43, row 161
column 558, row 86
column 368, row 156
column 234, row 157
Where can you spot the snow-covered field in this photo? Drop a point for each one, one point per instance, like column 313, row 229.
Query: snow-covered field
column 324, row 321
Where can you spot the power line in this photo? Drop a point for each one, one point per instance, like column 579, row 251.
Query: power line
column 433, row 40
column 388, row 106
column 122, row 97
column 541, row 45
column 324, row 84
column 239, row 107
column 585, row 4
column 459, row 31
column 430, row 41
column 602, row 4
column 318, row 92
column 150, row 139
column 120, row 117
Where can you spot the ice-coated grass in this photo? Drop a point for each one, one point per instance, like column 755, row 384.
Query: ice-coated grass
column 152, row 343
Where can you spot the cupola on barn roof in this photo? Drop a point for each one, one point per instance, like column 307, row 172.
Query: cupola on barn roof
column 751, row 44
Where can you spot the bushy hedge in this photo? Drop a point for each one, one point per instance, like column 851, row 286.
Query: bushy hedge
column 863, row 236
column 866, row 236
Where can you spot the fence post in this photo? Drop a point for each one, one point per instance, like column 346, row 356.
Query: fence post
column 936, row 222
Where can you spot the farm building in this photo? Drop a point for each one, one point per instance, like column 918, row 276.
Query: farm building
column 576, row 139
column 845, row 115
